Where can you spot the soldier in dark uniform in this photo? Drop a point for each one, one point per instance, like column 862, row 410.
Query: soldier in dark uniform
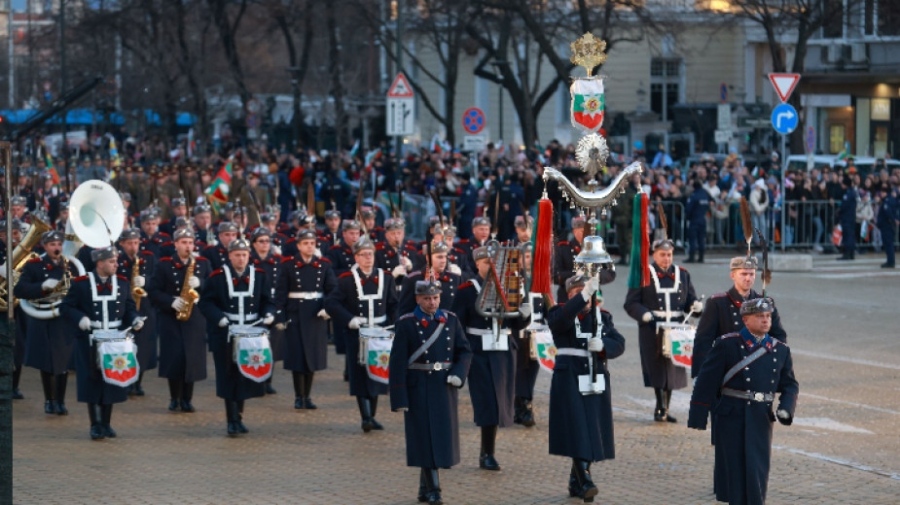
column 18, row 208
column 526, row 367
column 395, row 256
column 341, row 258
column 424, row 386
column 468, row 202
column 151, row 238
column 179, row 209
column 887, row 220
column 698, row 205
column 666, row 300
column 376, row 233
column 304, row 283
column 218, row 254
column 63, row 216
column 847, row 218
column 21, row 331
column 581, row 421
column 736, row 385
column 449, row 281
column 564, row 257
column 332, row 232
column 493, row 372
column 100, row 300
column 182, row 357
column 262, row 256
column 365, row 297
column 50, row 341
column 481, row 233
column 203, row 228
column 146, row 339
column 237, row 293
column 523, row 227
column 279, row 241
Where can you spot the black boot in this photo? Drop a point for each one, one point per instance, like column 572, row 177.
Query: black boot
column 230, row 416
column 659, row 415
column 269, row 389
column 517, row 413
column 375, row 424
column 423, row 488
column 365, row 413
column 175, row 388
column 299, row 390
column 96, row 417
column 433, row 487
column 16, row 393
column 585, row 484
column 574, row 490
column 138, row 390
column 527, row 413
column 307, row 387
column 187, row 394
column 668, row 399
column 488, row 439
column 61, row 381
column 239, row 420
column 106, row 418
column 48, row 383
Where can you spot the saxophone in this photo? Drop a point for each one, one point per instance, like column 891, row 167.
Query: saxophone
column 136, row 292
column 189, row 294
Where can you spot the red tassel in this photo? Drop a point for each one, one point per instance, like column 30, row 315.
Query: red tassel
column 645, row 241
column 541, row 278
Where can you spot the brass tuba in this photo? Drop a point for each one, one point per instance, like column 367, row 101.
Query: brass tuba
column 21, row 254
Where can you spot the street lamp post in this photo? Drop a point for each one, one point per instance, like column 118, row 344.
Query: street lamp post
column 497, row 66
column 297, row 109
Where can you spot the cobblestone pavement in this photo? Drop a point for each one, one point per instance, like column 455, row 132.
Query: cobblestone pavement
column 842, row 449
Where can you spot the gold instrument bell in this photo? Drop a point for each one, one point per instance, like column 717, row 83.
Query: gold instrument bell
column 592, row 256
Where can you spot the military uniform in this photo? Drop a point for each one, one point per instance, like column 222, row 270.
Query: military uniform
column 388, row 257
column 272, row 266
column 341, row 258
column 526, row 367
column 449, row 288
column 154, row 243
column 182, row 353
column 217, row 256
column 564, row 265
column 741, row 403
column 147, row 339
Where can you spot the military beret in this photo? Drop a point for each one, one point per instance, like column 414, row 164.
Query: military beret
column 52, row 236
column 481, row 221
column 742, row 262
column 306, row 235
column 480, row 253
column 104, row 253
column 130, row 234
column 362, row 244
column 757, row 306
column 350, row 224
column 227, row 226
column 428, row 287
column 181, row 233
column 395, row 223
column 239, row 244
column 577, row 280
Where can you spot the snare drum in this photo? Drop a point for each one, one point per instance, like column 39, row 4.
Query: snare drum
column 678, row 342
column 252, row 352
column 375, row 352
column 116, row 356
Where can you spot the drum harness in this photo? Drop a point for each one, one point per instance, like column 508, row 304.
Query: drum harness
column 104, row 300
column 240, row 317
column 667, row 295
column 371, row 320
column 584, row 353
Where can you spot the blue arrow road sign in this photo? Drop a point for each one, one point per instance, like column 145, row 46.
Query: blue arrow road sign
column 785, row 118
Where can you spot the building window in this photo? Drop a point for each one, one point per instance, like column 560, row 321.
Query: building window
column 665, row 86
column 833, row 25
column 835, row 138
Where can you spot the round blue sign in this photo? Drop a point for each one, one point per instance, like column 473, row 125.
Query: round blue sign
column 785, row 118
column 473, row 120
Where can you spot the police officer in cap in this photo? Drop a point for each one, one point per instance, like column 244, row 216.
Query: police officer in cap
column 737, row 384
column 430, row 359
column 146, row 339
column 241, row 294
column 100, row 300
column 581, row 421
column 304, row 283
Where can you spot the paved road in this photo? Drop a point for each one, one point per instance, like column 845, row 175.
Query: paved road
column 842, row 449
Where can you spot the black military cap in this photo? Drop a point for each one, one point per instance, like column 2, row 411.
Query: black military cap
column 181, row 233
column 227, row 226
column 757, row 306
column 306, row 235
column 239, row 244
column 52, row 236
column 428, row 287
column 104, row 253
column 260, row 231
column 130, row 234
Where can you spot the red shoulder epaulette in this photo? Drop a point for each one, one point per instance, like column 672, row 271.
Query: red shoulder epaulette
column 80, row 278
column 260, row 270
column 335, row 247
column 164, row 234
column 166, row 244
column 201, row 258
column 463, row 241
column 345, row 274
column 166, row 258
column 215, row 272
column 465, row 285
column 326, row 260
column 121, row 278
column 36, row 259
column 562, row 243
column 146, row 253
column 287, row 259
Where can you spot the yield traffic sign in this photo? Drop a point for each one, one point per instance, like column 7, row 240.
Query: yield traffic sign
column 784, row 84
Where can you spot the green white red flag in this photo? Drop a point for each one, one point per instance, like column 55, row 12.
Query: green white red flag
column 217, row 192
column 588, row 104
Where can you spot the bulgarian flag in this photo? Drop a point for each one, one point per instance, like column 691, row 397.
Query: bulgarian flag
column 355, row 149
column 588, row 103
column 217, row 192
column 48, row 160
column 371, row 157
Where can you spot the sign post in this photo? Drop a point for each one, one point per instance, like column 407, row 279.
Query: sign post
column 473, row 122
column 401, row 109
column 784, row 120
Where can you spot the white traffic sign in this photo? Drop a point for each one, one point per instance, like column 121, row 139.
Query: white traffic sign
column 784, row 84
column 401, row 116
column 474, row 143
column 724, row 136
column 723, row 121
column 400, row 88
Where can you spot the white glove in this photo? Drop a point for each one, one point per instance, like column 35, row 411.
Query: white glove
column 782, row 414
column 49, row 284
column 276, row 250
column 268, row 319
column 398, row 271
column 595, row 344
column 697, row 307
column 454, row 381
column 317, row 252
column 178, row 304
column 280, row 326
column 137, row 324
column 406, row 262
column 139, row 281
column 453, row 268
column 223, row 322
column 3, row 270
column 84, row 324
column 356, row 322
column 525, row 310
column 590, row 288
column 193, row 281
column 323, row 315
column 647, row 317
column 403, row 409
